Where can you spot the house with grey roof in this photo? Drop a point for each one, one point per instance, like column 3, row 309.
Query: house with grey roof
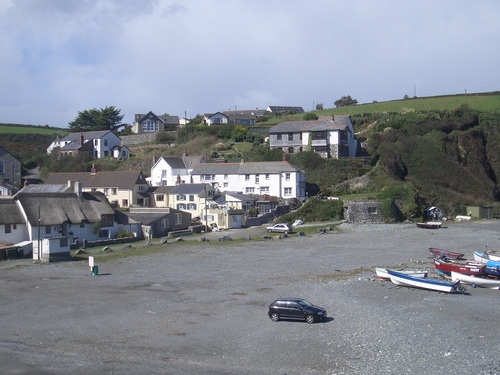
column 97, row 144
column 10, row 171
column 159, row 221
column 331, row 137
column 58, row 215
column 284, row 109
column 121, row 188
column 151, row 123
column 171, row 171
column 272, row 178
column 192, row 198
column 216, row 118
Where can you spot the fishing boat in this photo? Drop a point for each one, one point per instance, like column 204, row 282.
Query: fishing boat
column 445, row 266
column 399, row 278
column 430, row 225
column 492, row 268
column 447, row 253
column 483, row 282
column 483, row 257
column 383, row 275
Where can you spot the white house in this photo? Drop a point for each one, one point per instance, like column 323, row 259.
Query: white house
column 331, row 137
column 171, row 171
column 273, row 178
column 215, row 118
column 98, row 144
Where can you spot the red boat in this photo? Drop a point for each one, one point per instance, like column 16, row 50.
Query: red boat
column 447, row 253
column 445, row 267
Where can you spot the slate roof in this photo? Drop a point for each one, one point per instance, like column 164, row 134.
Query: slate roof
column 86, row 135
column 222, row 198
column 171, row 120
column 160, row 189
column 261, row 167
column 56, row 208
column 277, row 108
column 302, row 126
column 10, row 212
column 188, row 189
column 104, row 179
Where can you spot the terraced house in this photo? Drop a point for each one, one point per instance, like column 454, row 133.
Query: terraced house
column 331, row 137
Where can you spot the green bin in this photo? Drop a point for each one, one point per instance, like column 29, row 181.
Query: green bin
column 95, row 270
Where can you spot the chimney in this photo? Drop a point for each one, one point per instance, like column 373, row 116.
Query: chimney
column 81, row 139
column 71, row 185
column 78, row 189
column 92, row 170
column 184, row 154
column 242, row 161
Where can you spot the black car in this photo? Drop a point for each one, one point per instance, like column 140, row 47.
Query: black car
column 297, row 309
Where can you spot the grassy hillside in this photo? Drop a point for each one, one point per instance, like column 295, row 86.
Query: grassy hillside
column 31, row 129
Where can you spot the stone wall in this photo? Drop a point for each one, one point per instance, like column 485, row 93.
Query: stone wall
column 137, row 139
column 369, row 211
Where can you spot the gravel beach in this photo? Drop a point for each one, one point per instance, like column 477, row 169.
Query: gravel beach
column 201, row 308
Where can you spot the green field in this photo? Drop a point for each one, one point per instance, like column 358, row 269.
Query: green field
column 31, row 129
column 487, row 102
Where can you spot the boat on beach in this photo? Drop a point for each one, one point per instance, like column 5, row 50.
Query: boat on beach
column 482, row 257
column 445, row 266
column 399, row 278
column 447, row 253
column 483, row 282
column 430, row 225
column 384, row 275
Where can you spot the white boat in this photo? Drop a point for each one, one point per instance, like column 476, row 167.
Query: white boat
column 483, row 282
column 399, row 278
column 383, row 275
column 483, row 257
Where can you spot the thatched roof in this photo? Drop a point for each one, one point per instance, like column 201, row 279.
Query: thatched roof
column 57, row 208
column 10, row 212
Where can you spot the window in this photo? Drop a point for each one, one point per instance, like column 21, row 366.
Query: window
column 372, row 210
column 256, row 178
column 181, row 206
column 124, row 202
column 267, row 176
column 278, row 137
column 192, row 206
column 191, row 198
column 287, row 176
column 206, row 177
column 113, row 191
column 318, row 135
column 249, row 190
column 160, row 197
column 7, row 228
column 105, row 142
column 107, row 220
column 181, row 197
column 290, row 136
column 225, row 184
column 124, row 153
column 47, row 229
column 288, row 191
column 226, row 177
column 106, row 191
column 150, row 126
column 247, row 177
column 164, row 224
column 82, row 224
column 178, row 219
column 290, row 150
column 264, row 189
column 141, row 188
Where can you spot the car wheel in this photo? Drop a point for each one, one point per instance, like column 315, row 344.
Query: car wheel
column 275, row 317
column 310, row 319
column 269, row 230
column 285, row 232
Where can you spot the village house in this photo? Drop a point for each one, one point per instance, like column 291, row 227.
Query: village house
column 55, row 216
column 121, row 188
column 10, row 172
column 97, row 144
column 327, row 136
column 171, row 171
column 284, row 109
column 216, row 118
column 151, row 123
column 159, row 222
column 273, row 178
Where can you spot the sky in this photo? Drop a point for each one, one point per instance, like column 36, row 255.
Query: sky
column 189, row 57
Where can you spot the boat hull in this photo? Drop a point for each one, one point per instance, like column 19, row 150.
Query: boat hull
column 482, row 282
column 447, row 253
column 429, row 284
column 481, row 257
column 467, row 268
column 430, row 225
column 383, row 275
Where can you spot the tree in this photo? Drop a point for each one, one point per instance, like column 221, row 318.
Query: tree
column 108, row 118
column 345, row 101
column 319, row 107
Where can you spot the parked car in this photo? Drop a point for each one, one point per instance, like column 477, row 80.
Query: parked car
column 296, row 309
column 282, row 228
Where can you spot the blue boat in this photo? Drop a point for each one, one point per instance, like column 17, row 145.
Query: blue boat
column 492, row 268
column 399, row 278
